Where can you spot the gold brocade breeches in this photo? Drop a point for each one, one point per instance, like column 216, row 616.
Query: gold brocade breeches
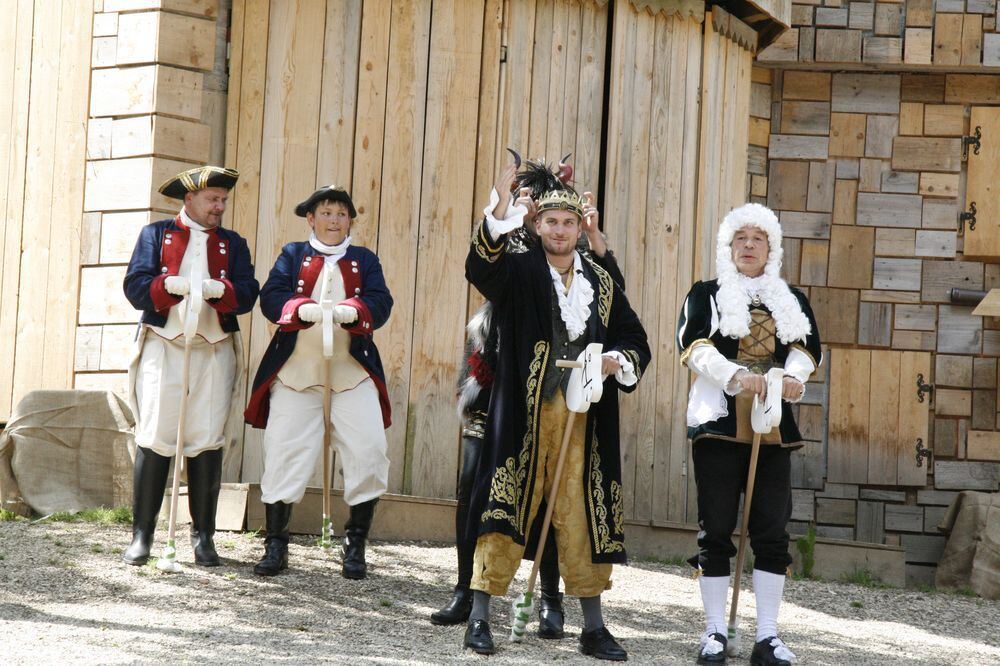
column 498, row 556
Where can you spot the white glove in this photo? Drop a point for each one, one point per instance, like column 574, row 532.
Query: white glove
column 311, row 312
column 212, row 289
column 177, row 285
column 344, row 314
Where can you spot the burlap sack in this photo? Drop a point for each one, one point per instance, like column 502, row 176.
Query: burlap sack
column 66, row 451
column 971, row 557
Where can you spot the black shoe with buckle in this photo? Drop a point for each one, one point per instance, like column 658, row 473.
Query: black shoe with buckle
column 457, row 610
column 771, row 651
column 708, row 652
column 479, row 638
column 600, row 644
column 550, row 616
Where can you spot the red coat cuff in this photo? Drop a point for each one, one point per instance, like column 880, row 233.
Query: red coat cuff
column 289, row 320
column 364, row 325
column 162, row 299
column 228, row 301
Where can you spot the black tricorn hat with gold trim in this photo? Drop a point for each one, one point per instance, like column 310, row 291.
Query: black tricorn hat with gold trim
column 199, row 178
column 328, row 193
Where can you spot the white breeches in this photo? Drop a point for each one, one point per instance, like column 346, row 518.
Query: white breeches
column 293, row 442
column 158, row 394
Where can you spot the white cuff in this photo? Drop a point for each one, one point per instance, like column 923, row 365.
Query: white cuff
column 799, row 365
column 513, row 219
column 626, row 373
column 708, row 362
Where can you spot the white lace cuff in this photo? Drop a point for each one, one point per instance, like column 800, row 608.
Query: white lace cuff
column 513, row 218
column 626, row 373
column 708, row 362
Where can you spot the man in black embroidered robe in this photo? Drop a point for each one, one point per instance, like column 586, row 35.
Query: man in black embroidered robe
column 550, row 302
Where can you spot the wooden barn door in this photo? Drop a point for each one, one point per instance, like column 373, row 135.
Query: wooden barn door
column 982, row 188
column 878, row 418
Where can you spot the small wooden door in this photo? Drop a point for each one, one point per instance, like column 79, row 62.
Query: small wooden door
column 877, row 417
column 983, row 185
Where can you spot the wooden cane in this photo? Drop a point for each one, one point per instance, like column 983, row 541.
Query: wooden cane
column 325, row 539
column 168, row 561
column 741, row 550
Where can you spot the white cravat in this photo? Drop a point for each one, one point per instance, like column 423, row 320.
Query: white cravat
column 333, row 252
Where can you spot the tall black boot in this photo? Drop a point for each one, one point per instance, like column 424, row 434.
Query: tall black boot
column 355, row 534
column 204, row 481
column 276, row 544
column 457, row 609
column 150, row 481
column 550, row 608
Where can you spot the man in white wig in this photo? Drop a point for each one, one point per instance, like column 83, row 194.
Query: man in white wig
column 732, row 330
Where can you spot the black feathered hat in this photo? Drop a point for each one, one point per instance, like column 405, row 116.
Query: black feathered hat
column 328, row 193
column 199, row 178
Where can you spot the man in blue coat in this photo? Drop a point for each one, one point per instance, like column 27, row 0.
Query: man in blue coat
column 171, row 259
column 288, row 390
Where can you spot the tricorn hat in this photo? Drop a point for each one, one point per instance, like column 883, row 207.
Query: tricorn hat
column 199, row 178
column 328, row 193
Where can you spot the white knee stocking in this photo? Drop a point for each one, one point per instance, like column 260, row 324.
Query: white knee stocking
column 714, row 590
column 768, row 588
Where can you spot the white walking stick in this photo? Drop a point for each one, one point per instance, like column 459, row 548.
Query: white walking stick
column 764, row 415
column 585, row 387
column 192, row 306
column 326, row 303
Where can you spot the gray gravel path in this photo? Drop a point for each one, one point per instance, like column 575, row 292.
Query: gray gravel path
column 65, row 597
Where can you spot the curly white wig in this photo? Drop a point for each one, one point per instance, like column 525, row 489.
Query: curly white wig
column 734, row 300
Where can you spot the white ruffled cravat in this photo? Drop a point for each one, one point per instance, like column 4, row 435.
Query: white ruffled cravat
column 333, row 252
column 189, row 223
column 574, row 303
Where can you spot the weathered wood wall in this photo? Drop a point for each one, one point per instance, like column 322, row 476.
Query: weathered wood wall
column 867, row 174
column 44, row 86
column 415, row 123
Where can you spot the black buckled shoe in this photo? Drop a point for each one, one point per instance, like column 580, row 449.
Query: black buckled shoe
column 457, row 610
column 479, row 638
column 600, row 644
column 709, row 652
column 550, row 616
column 771, row 651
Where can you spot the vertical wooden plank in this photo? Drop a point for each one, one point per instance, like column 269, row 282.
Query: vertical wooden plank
column 566, row 141
column 850, row 377
column 445, row 213
column 401, row 192
column 339, row 101
column 590, row 115
column 914, row 418
column 555, row 95
column 288, row 150
column 616, row 209
column 38, row 189
column 982, row 187
column 516, row 76
column 14, row 144
column 237, row 22
column 710, row 177
column 371, row 119
column 66, row 198
column 541, row 72
column 883, row 405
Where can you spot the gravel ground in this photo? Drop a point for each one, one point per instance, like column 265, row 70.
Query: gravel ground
column 66, row 597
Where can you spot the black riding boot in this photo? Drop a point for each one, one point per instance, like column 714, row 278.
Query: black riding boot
column 276, row 544
column 550, row 608
column 204, row 481
column 355, row 533
column 150, row 481
column 457, row 610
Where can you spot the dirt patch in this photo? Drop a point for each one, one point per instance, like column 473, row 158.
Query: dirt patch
column 65, row 596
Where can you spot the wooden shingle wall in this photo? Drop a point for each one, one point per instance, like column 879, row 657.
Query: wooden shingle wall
column 952, row 34
column 157, row 107
column 866, row 173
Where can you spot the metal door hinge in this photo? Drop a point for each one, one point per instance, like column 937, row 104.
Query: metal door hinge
column 968, row 217
column 922, row 387
column 975, row 140
column 503, row 58
column 922, row 453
